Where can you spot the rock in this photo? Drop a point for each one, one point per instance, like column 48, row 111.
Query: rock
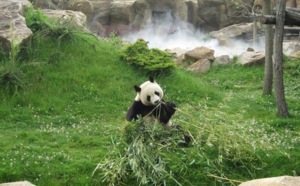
column 100, row 18
column 121, row 12
column 51, row 4
column 251, row 58
column 237, row 31
column 13, row 26
column 177, row 51
column 121, row 17
column 200, row 66
column 177, row 7
column 74, row 18
column 222, row 60
column 295, row 55
column 20, row 183
column 217, row 14
column 192, row 6
column 275, row 181
column 200, row 53
column 83, row 6
column 249, row 49
column 290, row 48
column 135, row 14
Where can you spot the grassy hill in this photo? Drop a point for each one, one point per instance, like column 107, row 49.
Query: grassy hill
column 63, row 106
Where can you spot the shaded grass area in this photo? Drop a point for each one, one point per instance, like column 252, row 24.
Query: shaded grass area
column 61, row 124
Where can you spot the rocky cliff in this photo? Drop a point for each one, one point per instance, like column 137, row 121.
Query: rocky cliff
column 123, row 16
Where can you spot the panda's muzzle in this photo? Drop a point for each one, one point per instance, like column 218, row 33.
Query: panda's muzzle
column 157, row 101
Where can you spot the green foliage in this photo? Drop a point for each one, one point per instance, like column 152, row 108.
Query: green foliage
column 36, row 20
column 3, row 55
column 114, row 40
column 139, row 155
column 43, row 27
column 232, row 148
column 149, row 61
column 236, row 3
column 69, row 117
column 293, row 66
column 13, row 67
column 11, row 72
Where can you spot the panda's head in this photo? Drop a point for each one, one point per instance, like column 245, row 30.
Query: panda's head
column 149, row 93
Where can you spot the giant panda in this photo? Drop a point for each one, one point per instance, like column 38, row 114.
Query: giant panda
column 149, row 104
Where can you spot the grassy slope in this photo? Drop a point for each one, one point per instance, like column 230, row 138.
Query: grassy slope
column 57, row 129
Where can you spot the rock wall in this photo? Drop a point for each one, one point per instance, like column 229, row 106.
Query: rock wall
column 123, row 16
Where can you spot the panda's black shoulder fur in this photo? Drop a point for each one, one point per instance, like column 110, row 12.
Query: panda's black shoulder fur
column 138, row 108
column 163, row 113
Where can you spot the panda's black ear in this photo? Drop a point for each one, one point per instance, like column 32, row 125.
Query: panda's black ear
column 151, row 79
column 137, row 88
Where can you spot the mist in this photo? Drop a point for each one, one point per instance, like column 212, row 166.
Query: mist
column 165, row 32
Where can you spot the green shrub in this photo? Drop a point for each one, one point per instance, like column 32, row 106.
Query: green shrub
column 12, row 71
column 11, row 74
column 36, row 20
column 149, row 61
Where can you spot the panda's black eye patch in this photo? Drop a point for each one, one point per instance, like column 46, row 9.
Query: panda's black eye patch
column 148, row 98
column 156, row 93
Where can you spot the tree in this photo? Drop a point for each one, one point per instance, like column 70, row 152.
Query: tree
column 282, row 109
column 268, row 73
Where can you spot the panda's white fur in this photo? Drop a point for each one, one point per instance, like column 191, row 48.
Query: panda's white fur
column 149, row 104
column 151, row 90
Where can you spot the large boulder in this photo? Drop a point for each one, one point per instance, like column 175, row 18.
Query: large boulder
column 295, row 55
column 291, row 48
column 233, row 31
column 200, row 53
column 275, row 181
column 222, row 60
column 227, row 35
column 51, row 4
column 201, row 66
column 70, row 17
column 13, row 27
column 19, row 183
column 251, row 58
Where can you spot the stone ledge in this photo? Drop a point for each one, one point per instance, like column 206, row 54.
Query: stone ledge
column 19, row 183
column 274, row 181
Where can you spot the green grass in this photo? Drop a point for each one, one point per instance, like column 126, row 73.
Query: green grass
column 76, row 92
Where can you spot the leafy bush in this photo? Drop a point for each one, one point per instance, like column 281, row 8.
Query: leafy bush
column 150, row 61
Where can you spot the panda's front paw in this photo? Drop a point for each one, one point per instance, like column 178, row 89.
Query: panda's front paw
column 171, row 107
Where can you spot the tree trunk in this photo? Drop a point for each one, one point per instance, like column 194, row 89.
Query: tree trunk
column 282, row 109
column 269, row 36
column 255, row 33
